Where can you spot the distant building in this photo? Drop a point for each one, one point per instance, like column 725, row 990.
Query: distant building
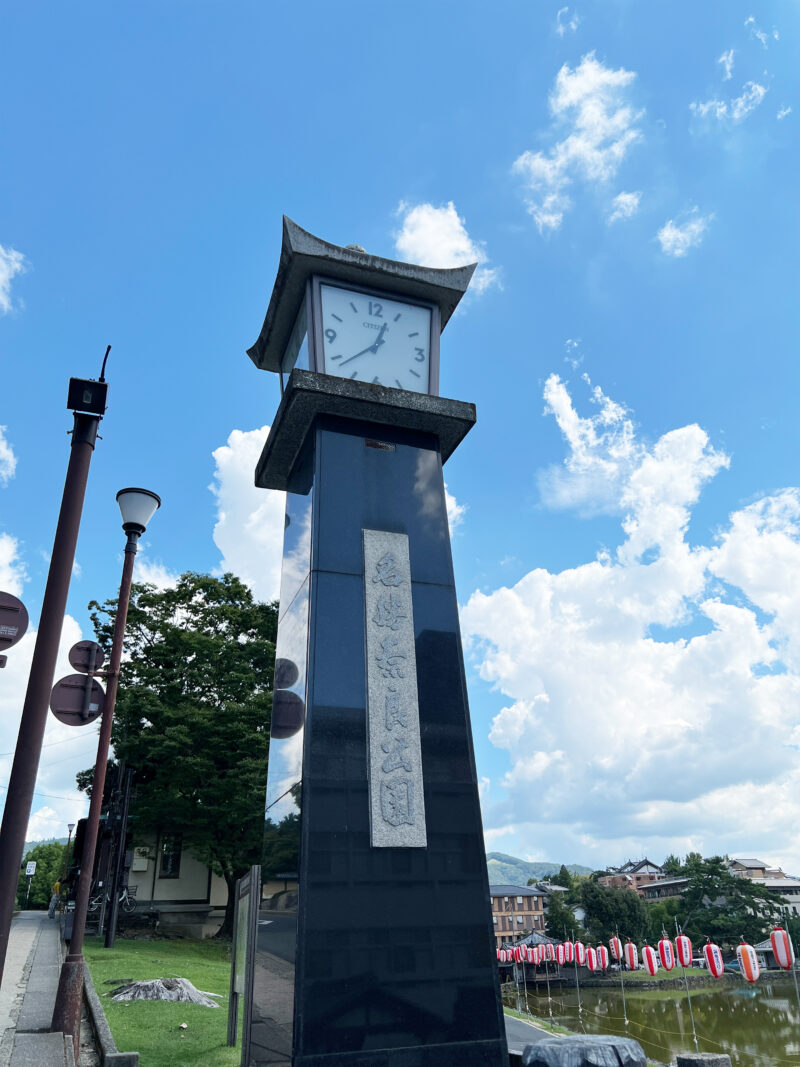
column 749, row 868
column 664, row 887
column 516, row 912
column 632, row 875
column 773, row 878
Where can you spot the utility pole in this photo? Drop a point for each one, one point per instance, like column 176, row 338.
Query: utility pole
column 87, row 400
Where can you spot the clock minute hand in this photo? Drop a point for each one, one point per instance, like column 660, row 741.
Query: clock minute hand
column 371, row 348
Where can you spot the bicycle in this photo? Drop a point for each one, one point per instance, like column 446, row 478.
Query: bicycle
column 127, row 900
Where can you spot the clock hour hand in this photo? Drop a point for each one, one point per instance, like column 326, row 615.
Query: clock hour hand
column 376, row 344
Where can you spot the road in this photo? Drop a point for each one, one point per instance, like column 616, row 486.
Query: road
column 277, row 933
column 519, row 1034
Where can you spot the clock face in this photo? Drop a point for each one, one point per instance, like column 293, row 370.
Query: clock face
column 376, row 339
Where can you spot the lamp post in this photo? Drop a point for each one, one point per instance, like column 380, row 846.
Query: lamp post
column 87, row 401
column 137, row 506
column 70, row 828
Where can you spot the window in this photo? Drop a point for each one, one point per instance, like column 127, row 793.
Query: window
column 170, row 854
column 494, row 920
column 519, row 920
column 519, row 900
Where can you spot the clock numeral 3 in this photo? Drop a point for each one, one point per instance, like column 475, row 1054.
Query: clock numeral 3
column 420, row 356
column 375, row 309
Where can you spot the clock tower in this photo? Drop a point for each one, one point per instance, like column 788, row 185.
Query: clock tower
column 383, row 955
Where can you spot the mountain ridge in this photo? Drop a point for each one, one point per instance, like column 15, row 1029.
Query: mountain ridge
column 510, row 870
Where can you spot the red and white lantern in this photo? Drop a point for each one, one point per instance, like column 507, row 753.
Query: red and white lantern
column 561, row 958
column 615, row 945
column 569, row 952
column 549, row 951
column 501, row 955
column 631, row 956
column 782, row 948
column 748, row 961
column 650, row 960
column 530, row 955
column 713, row 957
column 602, row 957
column 591, row 958
column 666, row 953
column 683, row 950
column 580, row 953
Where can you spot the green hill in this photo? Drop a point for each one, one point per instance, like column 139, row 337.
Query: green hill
column 509, row 870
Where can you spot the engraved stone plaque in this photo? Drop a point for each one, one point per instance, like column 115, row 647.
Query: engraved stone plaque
column 396, row 798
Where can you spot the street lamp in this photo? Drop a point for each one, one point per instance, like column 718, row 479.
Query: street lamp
column 137, row 506
column 70, row 827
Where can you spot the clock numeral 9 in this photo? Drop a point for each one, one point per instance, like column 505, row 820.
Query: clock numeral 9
column 420, row 356
column 375, row 309
column 331, row 336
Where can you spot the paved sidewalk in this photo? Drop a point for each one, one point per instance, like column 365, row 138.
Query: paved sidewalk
column 27, row 996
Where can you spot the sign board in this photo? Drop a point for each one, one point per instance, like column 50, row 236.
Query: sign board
column 86, row 656
column 13, row 621
column 77, row 699
column 30, row 868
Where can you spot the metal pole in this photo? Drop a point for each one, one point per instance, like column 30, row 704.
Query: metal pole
column 111, row 931
column 67, row 1010
column 547, row 976
column 678, row 930
column 578, row 987
column 28, row 892
column 19, row 797
column 621, row 962
column 66, row 853
column 525, row 986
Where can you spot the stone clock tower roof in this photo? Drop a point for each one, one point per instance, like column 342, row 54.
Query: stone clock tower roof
column 303, row 254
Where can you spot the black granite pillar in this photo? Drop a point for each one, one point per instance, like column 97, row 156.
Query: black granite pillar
column 385, row 956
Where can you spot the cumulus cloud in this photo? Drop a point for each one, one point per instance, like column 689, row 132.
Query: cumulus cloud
column 66, row 749
column 726, row 62
column 591, row 106
column 566, row 23
column 737, row 109
column 438, row 237
column 678, row 238
column 12, row 567
column 624, row 206
column 636, row 682
column 249, row 527
column 12, row 263
column 154, row 572
column 8, row 461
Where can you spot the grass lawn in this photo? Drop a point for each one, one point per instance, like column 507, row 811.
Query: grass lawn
column 152, row 1028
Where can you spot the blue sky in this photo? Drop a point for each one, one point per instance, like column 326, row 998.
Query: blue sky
column 626, row 515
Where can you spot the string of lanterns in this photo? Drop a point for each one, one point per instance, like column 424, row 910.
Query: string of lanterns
column 665, row 955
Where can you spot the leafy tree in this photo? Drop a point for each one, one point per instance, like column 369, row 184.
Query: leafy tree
column 559, row 919
column 672, row 866
column 49, row 862
column 611, row 911
column 662, row 916
column 193, row 714
column 563, row 878
column 724, row 908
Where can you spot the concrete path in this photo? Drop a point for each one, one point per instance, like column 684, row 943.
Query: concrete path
column 520, row 1033
column 27, row 997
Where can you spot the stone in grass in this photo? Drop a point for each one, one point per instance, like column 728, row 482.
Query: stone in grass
column 178, row 989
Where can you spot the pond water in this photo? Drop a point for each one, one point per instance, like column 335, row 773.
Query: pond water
column 757, row 1026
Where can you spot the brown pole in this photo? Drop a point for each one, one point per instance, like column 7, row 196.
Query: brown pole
column 19, row 797
column 67, row 1010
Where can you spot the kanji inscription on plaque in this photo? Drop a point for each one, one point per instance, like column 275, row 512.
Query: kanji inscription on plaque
column 396, row 795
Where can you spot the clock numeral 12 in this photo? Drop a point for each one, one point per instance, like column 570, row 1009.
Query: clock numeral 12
column 375, row 309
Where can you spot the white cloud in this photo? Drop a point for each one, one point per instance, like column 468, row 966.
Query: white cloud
column 249, row 527
column 676, row 239
column 154, row 572
column 636, row 682
column 437, row 237
column 737, row 109
column 491, row 836
column 571, row 346
column 760, row 35
column 592, row 105
column 455, row 511
column 8, row 461
column 566, row 23
column 12, row 263
column 783, row 112
column 624, row 206
column 726, row 62
column 12, row 569
column 66, row 749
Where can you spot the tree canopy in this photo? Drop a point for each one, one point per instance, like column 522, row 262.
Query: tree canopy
column 193, row 714
column 49, row 859
column 610, row 911
column 560, row 921
column 718, row 905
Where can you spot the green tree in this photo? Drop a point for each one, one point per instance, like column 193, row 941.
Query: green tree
column 724, row 908
column 611, row 911
column 563, row 878
column 559, row 919
column 193, row 714
column 672, row 866
column 49, row 862
column 662, row 915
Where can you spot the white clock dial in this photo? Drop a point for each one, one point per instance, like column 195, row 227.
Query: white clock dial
column 376, row 339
